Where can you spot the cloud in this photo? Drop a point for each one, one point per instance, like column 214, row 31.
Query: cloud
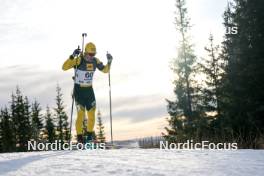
column 136, row 108
column 41, row 84
column 33, row 81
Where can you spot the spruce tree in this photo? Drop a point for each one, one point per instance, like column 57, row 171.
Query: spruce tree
column 212, row 68
column 7, row 134
column 100, row 128
column 61, row 117
column 14, row 116
column 20, row 110
column 222, row 125
column 36, row 120
column 49, row 127
column 184, row 110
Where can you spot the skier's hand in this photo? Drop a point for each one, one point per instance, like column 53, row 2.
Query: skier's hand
column 109, row 58
column 76, row 52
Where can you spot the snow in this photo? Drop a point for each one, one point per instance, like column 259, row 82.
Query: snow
column 134, row 162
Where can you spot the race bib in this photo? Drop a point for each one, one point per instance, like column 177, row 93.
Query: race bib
column 84, row 77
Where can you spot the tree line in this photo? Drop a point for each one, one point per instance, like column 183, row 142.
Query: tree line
column 23, row 121
column 220, row 98
column 150, row 142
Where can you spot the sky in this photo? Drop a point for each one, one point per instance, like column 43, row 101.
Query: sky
column 37, row 36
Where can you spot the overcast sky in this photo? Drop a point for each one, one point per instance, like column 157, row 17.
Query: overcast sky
column 36, row 36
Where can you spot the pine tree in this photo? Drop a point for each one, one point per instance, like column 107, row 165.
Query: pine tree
column 100, row 127
column 62, row 118
column 36, row 119
column 184, row 110
column 49, row 127
column 7, row 133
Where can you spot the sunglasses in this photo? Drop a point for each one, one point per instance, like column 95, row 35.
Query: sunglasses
column 91, row 54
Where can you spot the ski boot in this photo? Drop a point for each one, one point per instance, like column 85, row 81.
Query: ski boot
column 89, row 141
column 80, row 138
column 79, row 143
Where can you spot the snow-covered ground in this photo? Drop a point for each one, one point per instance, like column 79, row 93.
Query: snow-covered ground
column 134, row 162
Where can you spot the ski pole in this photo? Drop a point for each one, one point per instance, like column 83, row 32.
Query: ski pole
column 71, row 115
column 83, row 35
column 75, row 69
column 73, row 98
column 110, row 104
column 82, row 55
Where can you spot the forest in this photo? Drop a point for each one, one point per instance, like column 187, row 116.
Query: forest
column 228, row 104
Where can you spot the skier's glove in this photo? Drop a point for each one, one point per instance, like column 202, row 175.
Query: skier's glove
column 109, row 58
column 76, row 52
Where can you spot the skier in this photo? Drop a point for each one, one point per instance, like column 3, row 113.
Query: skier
column 85, row 66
